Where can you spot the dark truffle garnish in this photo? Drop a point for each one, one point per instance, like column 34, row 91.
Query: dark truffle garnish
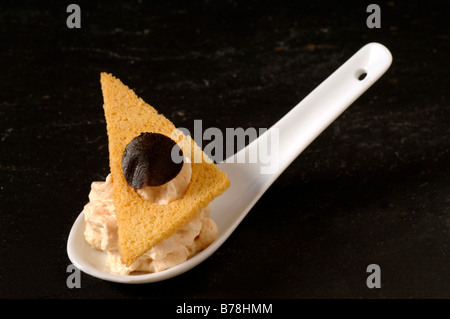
column 147, row 160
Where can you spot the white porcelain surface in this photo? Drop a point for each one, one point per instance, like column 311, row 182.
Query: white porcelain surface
column 297, row 129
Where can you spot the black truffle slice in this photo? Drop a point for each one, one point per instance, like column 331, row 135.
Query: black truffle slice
column 147, row 160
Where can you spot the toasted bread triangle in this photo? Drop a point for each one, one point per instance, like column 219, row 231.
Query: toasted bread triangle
column 143, row 224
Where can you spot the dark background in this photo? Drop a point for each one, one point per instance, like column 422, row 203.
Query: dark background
column 373, row 188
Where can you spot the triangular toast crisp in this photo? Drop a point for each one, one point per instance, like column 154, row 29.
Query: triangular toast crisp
column 143, row 224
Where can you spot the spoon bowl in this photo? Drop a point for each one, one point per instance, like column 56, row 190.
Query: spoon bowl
column 286, row 140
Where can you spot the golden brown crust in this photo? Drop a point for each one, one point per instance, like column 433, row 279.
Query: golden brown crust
column 144, row 224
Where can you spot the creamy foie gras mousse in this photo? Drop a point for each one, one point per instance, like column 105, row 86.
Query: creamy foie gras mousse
column 143, row 171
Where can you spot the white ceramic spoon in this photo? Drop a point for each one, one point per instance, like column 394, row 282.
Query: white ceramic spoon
column 295, row 131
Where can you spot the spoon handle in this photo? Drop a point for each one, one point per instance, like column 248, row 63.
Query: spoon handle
column 300, row 126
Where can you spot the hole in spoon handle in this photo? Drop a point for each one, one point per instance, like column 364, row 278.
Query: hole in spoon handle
column 361, row 74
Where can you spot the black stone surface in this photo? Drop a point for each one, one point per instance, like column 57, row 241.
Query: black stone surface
column 374, row 188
